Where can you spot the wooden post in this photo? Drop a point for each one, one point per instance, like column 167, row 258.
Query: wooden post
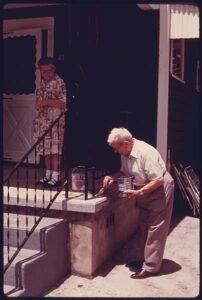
column 163, row 80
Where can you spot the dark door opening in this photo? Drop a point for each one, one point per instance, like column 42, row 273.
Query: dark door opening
column 119, row 61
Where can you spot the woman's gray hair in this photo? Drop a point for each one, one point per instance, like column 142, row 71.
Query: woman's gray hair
column 118, row 135
column 46, row 61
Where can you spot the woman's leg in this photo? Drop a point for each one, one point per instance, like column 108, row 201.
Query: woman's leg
column 47, row 162
column 55, row 161
column 48, row 166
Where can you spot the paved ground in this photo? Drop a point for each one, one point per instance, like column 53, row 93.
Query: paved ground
column 179, row 276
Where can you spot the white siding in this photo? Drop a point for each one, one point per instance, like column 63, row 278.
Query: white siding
column 184, row 21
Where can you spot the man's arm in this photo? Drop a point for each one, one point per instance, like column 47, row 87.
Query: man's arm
column 149, row 187
column 108, row 180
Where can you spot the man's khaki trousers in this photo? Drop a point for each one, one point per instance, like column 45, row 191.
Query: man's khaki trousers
column 155, row 216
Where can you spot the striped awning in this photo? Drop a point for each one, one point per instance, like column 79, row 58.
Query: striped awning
column 184, row 21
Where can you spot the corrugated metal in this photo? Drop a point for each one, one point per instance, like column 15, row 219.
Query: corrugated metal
column 184, row 21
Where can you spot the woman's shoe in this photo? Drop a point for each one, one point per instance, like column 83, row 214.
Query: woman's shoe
column 53, row 183
column 43, row 180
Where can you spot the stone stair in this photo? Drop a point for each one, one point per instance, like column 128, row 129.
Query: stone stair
column 43, row 260
column 42, row 198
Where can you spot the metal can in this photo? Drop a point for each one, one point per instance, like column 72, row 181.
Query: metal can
column 124, row 183
column 78, row 179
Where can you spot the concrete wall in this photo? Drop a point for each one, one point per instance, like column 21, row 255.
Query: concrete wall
column 94, row 240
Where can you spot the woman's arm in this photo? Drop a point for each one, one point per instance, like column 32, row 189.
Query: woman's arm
column 51, row 103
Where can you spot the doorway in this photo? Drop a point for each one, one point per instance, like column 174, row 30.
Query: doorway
column 22, row 48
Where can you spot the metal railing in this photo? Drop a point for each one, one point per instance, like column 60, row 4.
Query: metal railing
column 90, row 177
column 13, row 193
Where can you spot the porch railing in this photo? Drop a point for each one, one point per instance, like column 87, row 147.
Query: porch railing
column 13, row 194
column 15, row 177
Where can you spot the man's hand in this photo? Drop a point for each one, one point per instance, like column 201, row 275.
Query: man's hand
column 132, row 194
column 107, row 181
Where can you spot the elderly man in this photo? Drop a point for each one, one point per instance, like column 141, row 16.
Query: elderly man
column 153, row 193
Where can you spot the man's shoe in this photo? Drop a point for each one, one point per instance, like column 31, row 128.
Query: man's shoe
column 142, row 274
column 135, row 264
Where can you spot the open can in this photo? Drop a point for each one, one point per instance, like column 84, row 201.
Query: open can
column 124, row 183
column 78, row 179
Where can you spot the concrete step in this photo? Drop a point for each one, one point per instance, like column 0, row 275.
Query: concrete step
column 12, row 290
column 23, row 255
column 34, row 272
column 34, row 242
column 8, row 288
column 39, row 198
column 75, row 201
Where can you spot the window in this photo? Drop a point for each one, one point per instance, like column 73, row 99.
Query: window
column 177, row 59
column 19, row 64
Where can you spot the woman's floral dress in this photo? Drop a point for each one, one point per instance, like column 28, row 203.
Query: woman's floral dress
column 53, row 142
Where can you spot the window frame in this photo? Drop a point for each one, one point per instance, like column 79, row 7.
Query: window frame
column 181, row 79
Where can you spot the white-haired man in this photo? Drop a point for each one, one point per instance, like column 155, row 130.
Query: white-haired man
column 154, row 191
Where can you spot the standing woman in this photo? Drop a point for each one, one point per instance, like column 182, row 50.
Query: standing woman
column 50, row 102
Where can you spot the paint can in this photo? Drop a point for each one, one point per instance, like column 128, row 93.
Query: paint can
column 78, row 179
column 124, row 183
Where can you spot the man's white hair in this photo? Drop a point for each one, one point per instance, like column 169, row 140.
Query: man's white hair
column 118, row 135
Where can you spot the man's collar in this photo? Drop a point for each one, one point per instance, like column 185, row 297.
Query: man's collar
column 134, row 152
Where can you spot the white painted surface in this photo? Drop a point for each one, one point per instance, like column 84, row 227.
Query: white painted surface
column 75, row 201
column 18, row 111
column 18, row 128
column 163, row 81
column 44, row 23
column 148, row 6
column 184, row 21
column 23, row 5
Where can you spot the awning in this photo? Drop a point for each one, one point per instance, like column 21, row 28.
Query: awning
column 184, row 21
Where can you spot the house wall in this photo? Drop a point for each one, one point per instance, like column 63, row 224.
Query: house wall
column 111, row 51
column 60, row 15
column 119, row 57
column 183, row 125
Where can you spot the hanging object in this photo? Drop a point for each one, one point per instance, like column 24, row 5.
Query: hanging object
column 188, row 183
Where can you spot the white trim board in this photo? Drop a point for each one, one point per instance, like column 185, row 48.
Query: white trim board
column 44, row 23
column 163, row 81
column 23, row 5
column 148, row 6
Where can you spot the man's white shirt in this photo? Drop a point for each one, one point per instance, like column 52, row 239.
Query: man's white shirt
column 144, row 163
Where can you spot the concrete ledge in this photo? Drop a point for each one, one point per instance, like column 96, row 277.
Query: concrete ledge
column 92, row 205
column 74, row 203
